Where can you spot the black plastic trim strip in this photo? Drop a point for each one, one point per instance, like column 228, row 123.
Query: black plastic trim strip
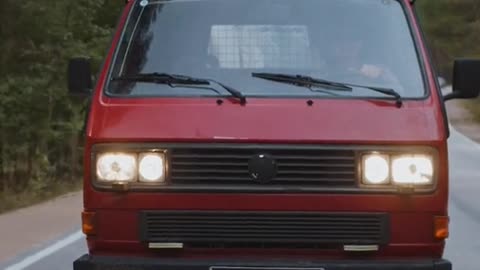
column 89, row 262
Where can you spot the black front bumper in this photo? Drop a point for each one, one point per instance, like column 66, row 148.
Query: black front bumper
column 123, row 263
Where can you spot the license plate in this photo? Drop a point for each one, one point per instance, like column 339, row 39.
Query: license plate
column 264, row 268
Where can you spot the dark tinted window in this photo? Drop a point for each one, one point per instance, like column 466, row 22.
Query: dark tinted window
column 365, row 42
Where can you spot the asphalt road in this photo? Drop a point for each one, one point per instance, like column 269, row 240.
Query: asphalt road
column 463, row 247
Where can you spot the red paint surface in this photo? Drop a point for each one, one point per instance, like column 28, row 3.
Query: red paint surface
column 282, row 121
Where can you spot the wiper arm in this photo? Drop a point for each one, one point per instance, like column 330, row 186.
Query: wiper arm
column 176, row 79
column 386, row 91
column 302, row 80
column 309, row 82
column 234, row 92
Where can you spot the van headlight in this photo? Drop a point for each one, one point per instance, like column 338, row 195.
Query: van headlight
column 151, row 167
column 412, row 170
column 376, row 169
column 146, row 167
column 116, row 167
column 397, row 169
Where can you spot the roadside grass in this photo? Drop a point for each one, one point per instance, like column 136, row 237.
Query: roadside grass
column 474, row 107
column 10, row 201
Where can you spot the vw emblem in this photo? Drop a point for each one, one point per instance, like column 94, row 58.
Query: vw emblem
column 262, row 168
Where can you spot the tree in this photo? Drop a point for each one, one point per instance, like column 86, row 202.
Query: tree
column 452, row 28
column 39, row 123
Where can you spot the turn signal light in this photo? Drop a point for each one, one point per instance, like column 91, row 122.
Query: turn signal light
column 441, row 227
column 88, row 223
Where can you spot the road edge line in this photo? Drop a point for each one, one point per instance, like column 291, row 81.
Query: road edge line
column 26, row 262
column 465, row 137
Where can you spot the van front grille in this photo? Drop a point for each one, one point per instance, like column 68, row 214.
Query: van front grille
column 263, row 228
column 295, row 166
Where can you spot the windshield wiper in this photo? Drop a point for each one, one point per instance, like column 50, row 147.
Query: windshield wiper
column 307, row 81
column 176, row 79
column 386, row 91
column 302, row 80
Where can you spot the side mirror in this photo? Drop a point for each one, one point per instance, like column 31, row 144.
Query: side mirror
column 79, row 77
column 466, row 79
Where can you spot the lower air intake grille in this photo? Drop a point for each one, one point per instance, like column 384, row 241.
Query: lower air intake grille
column 263, row 228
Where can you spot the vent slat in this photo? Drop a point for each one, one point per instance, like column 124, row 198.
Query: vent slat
column 211, row 178
column 302, row 157
column 208, row 156
column 212, row 171
column 239, row 235
column 263, row 230
column 252, row 223
column 201, row 163
column 315, row 165
column 298, row 220
column 254, row 241
column 301, row 172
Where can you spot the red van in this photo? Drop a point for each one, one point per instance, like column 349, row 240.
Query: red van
column 267, row 135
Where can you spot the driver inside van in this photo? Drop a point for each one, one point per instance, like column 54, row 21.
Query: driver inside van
column 349, row 55
column 350, row 59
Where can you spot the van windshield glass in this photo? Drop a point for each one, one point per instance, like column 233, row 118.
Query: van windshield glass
column 360, row 42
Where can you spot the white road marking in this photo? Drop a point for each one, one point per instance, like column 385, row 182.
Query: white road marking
column 463, row 137
column 46, row 251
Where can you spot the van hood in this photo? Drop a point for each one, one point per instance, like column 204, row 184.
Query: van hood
column 265, row 120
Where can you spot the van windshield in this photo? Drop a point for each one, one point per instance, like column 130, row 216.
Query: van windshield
column 361, row 42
